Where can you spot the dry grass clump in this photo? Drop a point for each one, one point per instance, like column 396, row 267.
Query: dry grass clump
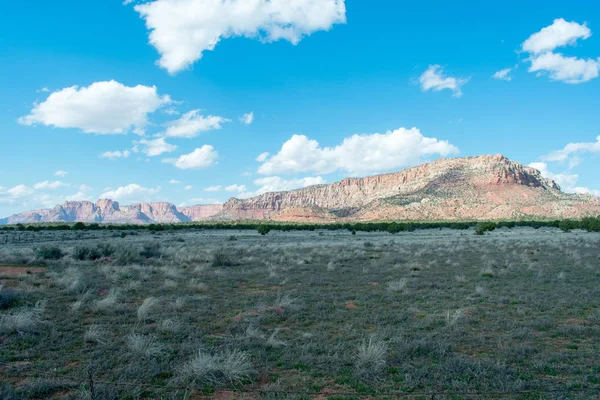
column 144, row 311
column 95, row 334
column 222, row 258
column 397, row 286
column 108, row 302
column 370, row 358
column 217, row 369
column 144, row 346
column 24, row 320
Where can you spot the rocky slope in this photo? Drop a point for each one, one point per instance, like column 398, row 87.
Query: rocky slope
column 485, row 187
column 109, row 211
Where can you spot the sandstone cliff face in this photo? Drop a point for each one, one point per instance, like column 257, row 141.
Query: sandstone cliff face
column 485, row 187
column 110, row 211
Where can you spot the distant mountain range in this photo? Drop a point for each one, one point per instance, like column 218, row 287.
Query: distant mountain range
column 471, row 188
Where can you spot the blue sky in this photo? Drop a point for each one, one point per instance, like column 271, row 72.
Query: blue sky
column 79, row 80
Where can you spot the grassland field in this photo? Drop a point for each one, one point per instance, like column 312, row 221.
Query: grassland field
column 189, row 314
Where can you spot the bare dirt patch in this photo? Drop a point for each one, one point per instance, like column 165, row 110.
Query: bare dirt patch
column 12, row 271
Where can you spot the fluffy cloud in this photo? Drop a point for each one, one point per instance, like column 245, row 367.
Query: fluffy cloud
column 572, row 149
column 174, row 182
column 544, row 60
column 192, row 123
column 247, row 119
column 20, row 191
column 202, row 157
column 360, row 154
column 79, row 196
column 182, row 30
column 560, row 33
column 236, row 188
column 156, row 147
column 103, row 108
column 132, row 192
column 262, row 157
column 277, row 184
column 434, row 79
column 564, row 180
column 60, row 173
column 188, row 187
column 49, row 185
column 213, row 188
column 503, row 75
column 585, row 190
column 566, row 69
column 113, row 155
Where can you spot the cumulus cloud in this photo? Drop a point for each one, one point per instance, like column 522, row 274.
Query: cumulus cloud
column 586, row 190
column 247, row 119
column 572, row 149
column 132, row 192
column 434, row 79
column 560, row 33
column 103, row 107
column 182, row 30
column 202, row 157
column 61, row 173
column 198, row 201
column 174, row 182
column 565, row 69
column 271, row 184
column 236, row 188
column 544, row 61
column 359, row 154
column 20, row 191
column 188, row 187
column 213, row 188
column 156, row 147
column 79, row 196
column 564, row 180
column 114, row 155
column 49, row 185
column 503, row 75
column 262, row 157
column 191, row 124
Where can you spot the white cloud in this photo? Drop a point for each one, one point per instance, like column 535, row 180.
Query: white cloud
column 262, row 157
column 44, row 90
column 174, row 182
column 20, row 191
column 132, row 192
column 156, row 147
column 541, row 46
column 572, row 149
column 103, row 107
column 503, row 75
column 247, row 119
column 213, row 188
column 586, row 190
column 566, row 181
column 434, row 79
column 188, row 187
column 182, row 30
column 79, row 196
column 192, row 123
column 277, row 184
column 236, row 188
column 60, row 173
column 359, row 154
column 202, row 157
column 113, row 155
column 560, row 33
column 171, row 111
column 85, row 188
column 198, row 201
column 49, row 185
column 566, row 69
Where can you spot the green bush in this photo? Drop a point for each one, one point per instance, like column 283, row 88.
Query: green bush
column 483, row 227
column 151, row 250
column 50, row 253
column 264, row 229
column 221, row 258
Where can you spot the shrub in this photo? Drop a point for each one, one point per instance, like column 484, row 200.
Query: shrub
column 8, row 299
column 222, row 258
column 126, row 255
column 83, row 253
column 151, row 250
column 264, row 229
column 79, row 226
column 482, row 227
column 217, row 370
column 50, row 253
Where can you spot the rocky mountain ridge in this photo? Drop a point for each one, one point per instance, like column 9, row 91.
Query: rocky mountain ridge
column 109, row 211
column 472, row 188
